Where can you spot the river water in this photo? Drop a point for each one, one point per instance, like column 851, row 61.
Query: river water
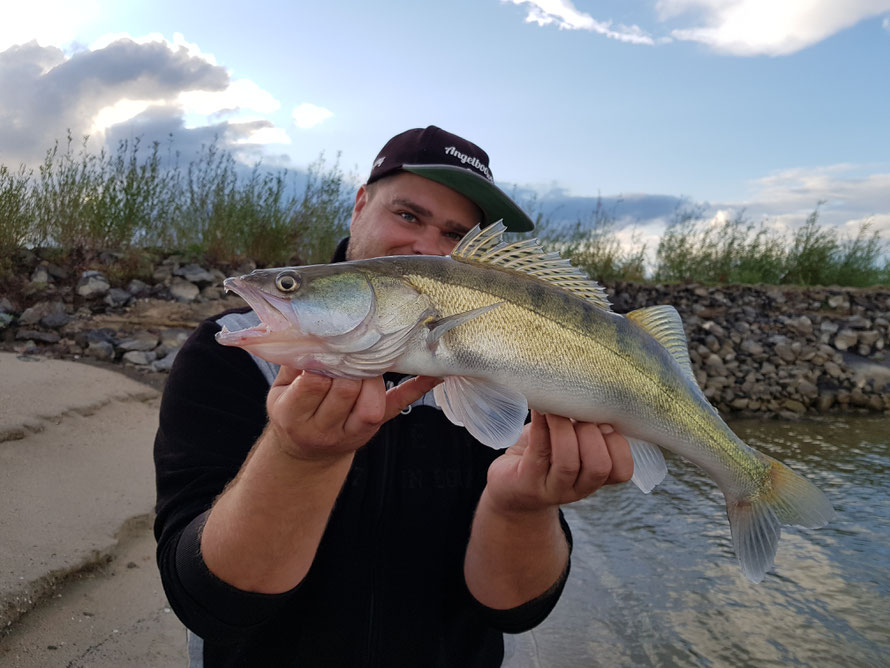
column 655, row 581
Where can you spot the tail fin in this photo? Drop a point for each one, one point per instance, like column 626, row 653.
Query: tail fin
column 787, row 498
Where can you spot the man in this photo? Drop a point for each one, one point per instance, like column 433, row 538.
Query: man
column 322, row 522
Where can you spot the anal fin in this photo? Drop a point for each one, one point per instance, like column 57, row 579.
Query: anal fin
column 649, row 466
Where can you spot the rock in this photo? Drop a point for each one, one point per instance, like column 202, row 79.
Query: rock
column 711, row 343
column 51, row 314
column 174, row 338
column 137, row 288
column 785, row 352
column 806, row 389
column 57, row 272
column 794, row 406
column 37, row 335
column 183, row 291
column 833, row 370
column 6, row 306
column 194, row 273
column 162, row 274
column 117, row 298
column 165, row 363
column 838, row 301
column 869, row 337
column 845, row 338
column 751, row 347
column 92, row 284
column 802, row 325
column 739, row 404
column 100, row 350
column 138, row 357
column 212, row 292
column 826, row 326
column 40, row 275
column 6, row 320
column 141, row 342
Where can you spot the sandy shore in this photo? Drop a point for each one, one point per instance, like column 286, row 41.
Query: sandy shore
column 78, row 581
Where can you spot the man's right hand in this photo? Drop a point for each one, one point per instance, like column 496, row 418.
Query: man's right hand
column 315, row 417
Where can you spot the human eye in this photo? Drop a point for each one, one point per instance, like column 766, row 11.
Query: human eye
column 407, row 216
column 454, row 236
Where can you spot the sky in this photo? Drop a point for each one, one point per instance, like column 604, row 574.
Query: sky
column 765, row 107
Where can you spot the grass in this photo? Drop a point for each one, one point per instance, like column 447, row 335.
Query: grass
column 82, row 202
column 738, row 251
column 139, row 201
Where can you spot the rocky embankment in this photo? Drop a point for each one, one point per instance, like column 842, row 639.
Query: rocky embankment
column 756, row 350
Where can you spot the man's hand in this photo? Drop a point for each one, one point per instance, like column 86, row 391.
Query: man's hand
column 517, row 549
column 557, row 461
column 315, row 417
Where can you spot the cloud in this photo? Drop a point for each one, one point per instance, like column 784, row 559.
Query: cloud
column 309, row 115
column 758, row 27
column 886, row 23
column 121, row 86
column 49, row 22
column 563, row 14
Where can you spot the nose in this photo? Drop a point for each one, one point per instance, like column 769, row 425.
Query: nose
column 427, row 241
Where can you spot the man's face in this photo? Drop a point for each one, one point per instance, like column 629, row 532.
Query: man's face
column 406, row 214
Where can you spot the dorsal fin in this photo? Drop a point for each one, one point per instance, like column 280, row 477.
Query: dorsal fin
column 663, row 324
column 486, row 245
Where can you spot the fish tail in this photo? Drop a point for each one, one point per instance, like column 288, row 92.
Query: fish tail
column 755, row 522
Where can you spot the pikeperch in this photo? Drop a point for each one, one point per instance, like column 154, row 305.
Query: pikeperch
column 509, row 327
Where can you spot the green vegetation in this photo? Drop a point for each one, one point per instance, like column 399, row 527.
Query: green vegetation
column 593, row 245
column 139, row 202
column 738, row 251
column 81, row 202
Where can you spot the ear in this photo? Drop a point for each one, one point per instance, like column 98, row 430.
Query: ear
column 361, row 199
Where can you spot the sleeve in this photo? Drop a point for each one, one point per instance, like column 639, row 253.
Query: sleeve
column 212, row 412
column 528, row 615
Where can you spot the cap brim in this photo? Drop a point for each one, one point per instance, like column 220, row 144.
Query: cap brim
column 493, row 201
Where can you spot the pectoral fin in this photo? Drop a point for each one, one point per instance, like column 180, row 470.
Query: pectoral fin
column 492, row 413
column 649, row 466
column 442, row 325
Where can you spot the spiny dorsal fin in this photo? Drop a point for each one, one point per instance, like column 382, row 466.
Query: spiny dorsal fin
column 486, row 245
column 663, row 324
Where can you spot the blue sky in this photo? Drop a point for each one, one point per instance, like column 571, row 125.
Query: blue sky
column 764, row 106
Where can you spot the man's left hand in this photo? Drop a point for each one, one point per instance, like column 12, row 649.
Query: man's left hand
column 556, row 461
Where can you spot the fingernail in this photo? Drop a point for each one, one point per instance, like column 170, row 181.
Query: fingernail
column 606, row 429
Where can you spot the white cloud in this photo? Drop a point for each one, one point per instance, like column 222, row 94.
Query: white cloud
column 50, row 22
column 886, row 23
column 265, row 135
column 240, row 94
column 766, row 27
column 564, row 14
column 309, row 115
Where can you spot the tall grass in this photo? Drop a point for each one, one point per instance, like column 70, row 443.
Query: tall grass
column 592, row 243
column 136, row 199
column 738, row 251
column 80, row 202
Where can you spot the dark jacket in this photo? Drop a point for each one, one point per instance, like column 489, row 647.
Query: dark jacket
column 386, row 587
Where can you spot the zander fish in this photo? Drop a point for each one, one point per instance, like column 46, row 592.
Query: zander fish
column 509, row 327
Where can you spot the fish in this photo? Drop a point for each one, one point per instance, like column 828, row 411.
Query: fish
column 511, row 326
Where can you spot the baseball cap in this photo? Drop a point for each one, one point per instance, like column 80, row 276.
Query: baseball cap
column 455, row 162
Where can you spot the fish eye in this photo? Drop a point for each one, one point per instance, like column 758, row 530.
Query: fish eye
column 287, row 281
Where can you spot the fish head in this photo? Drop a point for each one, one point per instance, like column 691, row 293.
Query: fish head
column 319, row 317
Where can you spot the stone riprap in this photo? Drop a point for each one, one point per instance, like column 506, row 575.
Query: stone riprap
column 756, row 350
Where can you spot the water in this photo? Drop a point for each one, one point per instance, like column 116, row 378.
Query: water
column 655, row 581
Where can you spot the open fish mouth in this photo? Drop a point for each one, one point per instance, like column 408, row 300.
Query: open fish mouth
column 272, row 319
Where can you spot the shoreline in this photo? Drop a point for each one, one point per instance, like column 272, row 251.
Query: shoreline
column 756, row 350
